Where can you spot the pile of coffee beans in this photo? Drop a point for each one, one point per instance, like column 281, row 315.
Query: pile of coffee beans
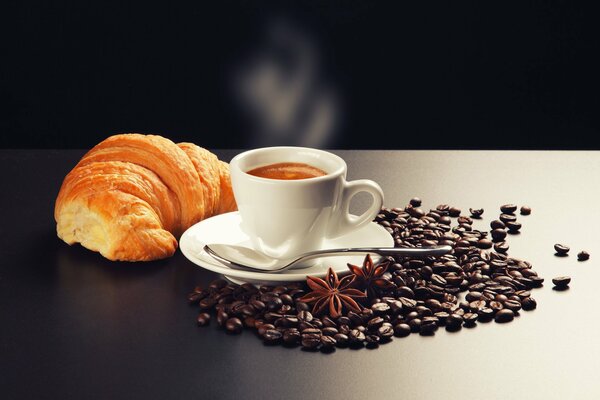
column 477, row 282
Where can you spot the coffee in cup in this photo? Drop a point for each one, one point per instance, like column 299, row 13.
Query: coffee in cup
column 291, row 199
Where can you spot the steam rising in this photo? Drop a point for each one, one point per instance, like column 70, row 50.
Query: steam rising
column 281, row 90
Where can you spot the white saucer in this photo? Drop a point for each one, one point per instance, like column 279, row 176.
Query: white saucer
column 225, row 228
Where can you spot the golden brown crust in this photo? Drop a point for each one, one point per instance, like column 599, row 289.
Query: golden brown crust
column 132, row 194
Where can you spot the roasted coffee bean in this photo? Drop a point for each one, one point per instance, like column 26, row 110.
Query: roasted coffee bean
column 250, row 322
column 508, row 208
column 464, row 220
column 327, row 343
column 536, row 281
column 341, row 339
column 222, row 317
column 477, row 305
column 501, row 247
column 257, row 304
column 286, row 299
column 305, row 316
column 561, row 249
column 402, row 330
column 485, row 314
column 274, row 304
column 301, row 306
column 484, row 243
column 525, row 210
column 203, row 319
column 497, row 224
column 380, row 308
column 415, row 324
column 496, row 305
column 385, row 331
column 310, row 340
column 529, row 304
column 272, row 336
column 470, row 319
column 356, row 336
column 262, row 329
column 443, row 208
column 234, row 325
column 476, row 212
column 583, row 256
column 498, row 234
column 207, row 303
column 196, row 296
column 372, row 341
column 345, row 329
column 328, row 322
column 428, row 328
column 218, row 284
column 309, row 331
column 505, row 315
column 561, row 282
column 415, row 202
column 330, row 331
column 454, row 212
column 506, row 218
column 513, row 227
column 375, row 323
column 473, row 296
column 289, row 321
column 513, row 305
column 291, row 336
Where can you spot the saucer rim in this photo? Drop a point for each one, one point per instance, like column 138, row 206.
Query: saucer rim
column 185, row 245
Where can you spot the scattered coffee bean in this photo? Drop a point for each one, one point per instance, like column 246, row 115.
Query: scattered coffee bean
column 454, row 212
column 508, row 208
column 506, row 218
column 423, row 293
column 484, row 243
column 513, row 226
column 341, row 340
column 529, row 304
column 415, row 202
column 525, row 210
column 498, row 234
column 501, row 247
column 310, row 340
column 476, row 212
column 327, row 343
column 561, row 249
column 402, row 330
column 385, row 331
column 291, row 336
column 234, row 325
column 497, row 224
column 203, row 319
column 272, row 336
column 561, row 282
column 505, row 315
column 583, row 256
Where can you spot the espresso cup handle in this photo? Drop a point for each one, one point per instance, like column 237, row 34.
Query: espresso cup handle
column 346, row 222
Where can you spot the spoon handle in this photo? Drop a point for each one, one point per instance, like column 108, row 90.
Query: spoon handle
column 383, row 251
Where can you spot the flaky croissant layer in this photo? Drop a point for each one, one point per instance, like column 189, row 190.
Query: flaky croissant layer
column 131, row 195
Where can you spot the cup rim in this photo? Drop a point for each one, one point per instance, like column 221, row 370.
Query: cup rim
column 234, row 163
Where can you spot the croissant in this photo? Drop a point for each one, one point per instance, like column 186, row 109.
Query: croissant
column 131, row 195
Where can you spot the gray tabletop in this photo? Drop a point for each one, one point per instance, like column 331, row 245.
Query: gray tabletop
column 74, row 325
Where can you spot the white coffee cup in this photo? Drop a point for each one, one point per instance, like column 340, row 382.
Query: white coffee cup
column 284, row 218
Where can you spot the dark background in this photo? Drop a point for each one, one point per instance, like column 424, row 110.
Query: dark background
column 425, row 75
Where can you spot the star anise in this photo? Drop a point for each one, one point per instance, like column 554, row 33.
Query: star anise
column 370, row 277
column 332, row 294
